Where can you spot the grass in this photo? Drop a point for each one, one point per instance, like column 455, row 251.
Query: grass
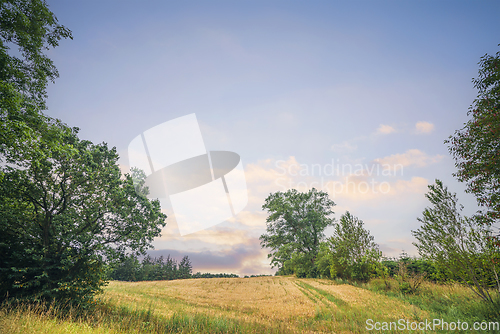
column 447, row 301
column 245, row 305
column 107, row 318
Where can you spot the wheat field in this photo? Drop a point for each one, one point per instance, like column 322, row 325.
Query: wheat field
column 234, row 305
column 277, row 304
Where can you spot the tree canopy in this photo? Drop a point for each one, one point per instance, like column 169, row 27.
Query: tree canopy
column 476, row 147
column 354, row 253
column 64, row 205
column 32, row 28
column 66, row 208
column 151, row 269
column 295, row 225
column 457, row 243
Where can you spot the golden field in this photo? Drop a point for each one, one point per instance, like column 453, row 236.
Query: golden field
column 222, row 305
column 281, row 304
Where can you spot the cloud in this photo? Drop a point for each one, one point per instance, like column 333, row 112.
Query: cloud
column 371, row 191
column 250, row 219
column 233, row 246
column 267, row 176
column 344, row 147
column 412, row 157
column 265, row 171
column 218, row 235
column 403, row 244
column 361, row 182
column 245, row 259
column 424, row 127
column 417, row 185
column 213, row 136
column 385, row 129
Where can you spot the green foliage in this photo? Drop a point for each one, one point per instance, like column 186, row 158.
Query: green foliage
column 154, row 269
column 32, row 28
column 441, row 301
column 168, row 269
column 432, row 270
column 64, row 208
column 185, row 268
column 284, row 270
column 458, row 243
column 324, row 261
column 302, row 265
column 476, row 147
column 126, row 269
column 139, row 180
column 354, row 254
column 151, row 269
column 210, row 275
column 295, row 228
column 409, row 280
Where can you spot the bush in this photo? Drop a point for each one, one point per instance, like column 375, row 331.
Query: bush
column 354, row 254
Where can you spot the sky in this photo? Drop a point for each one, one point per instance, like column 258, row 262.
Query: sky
column 355, row 98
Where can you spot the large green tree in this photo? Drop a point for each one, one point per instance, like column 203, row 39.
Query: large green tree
column 27, row 30
column 64, row 212
column 64, row 205
column 476, row 147
column 295, row 228
column 457, row 243
column 354, row 253
column 32, row 28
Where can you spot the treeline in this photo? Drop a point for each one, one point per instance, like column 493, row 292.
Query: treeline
column 150, row 269
column 416, row 266
column 351, row 254
column 209, row 275
column 452, row 247
column 156, row 269
column 65, row 206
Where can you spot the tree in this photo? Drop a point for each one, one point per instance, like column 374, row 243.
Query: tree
column 128, row 269
column 457, row 243
column 355, row 255
column 33, row 28
column 476, row 147
column 64, row 209
column 64, row 206
column 295, row 227
column 171, row 270
column 147, row 268
column 324, row 260
column 185, row 268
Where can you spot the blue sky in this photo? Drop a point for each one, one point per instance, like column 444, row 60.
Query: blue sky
column 287, row 85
